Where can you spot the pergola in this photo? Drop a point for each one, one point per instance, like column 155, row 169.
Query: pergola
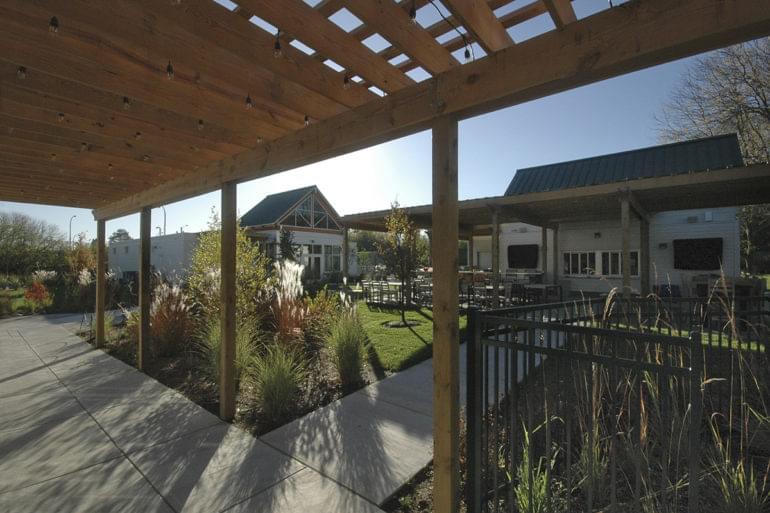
column 126, row 105
column 644, row 197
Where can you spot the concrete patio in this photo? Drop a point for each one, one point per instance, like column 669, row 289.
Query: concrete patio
column 82, row 431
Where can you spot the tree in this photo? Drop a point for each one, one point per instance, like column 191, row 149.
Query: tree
column 118, row 235
column 251, row 273
column 399, row 251
column 286, row 245
column 28, row 244
column 729, row 91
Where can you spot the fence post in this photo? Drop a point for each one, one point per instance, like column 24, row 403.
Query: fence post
column 696, row 410
column 474, row 411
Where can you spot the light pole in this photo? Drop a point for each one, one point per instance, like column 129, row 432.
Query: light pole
column 164, row 219
column 70, row 239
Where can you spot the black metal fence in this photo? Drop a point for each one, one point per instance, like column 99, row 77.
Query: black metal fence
column 586, row 405
column 563, row 415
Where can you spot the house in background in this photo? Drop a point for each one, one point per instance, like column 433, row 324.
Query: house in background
column 687, row 247
column 314, row 224
column 170, row 255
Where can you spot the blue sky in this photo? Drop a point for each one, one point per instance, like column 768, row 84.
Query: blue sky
column 609, row 116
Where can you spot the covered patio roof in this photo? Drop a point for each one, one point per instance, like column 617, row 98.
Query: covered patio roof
column 136, row 104
column 710, row 189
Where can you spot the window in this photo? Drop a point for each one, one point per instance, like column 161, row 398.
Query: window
column 523, row 256
column 125, row 250
column 698, row 254
column 610, row 263
column 579, row 263
column 311, row 213
column 332, row 259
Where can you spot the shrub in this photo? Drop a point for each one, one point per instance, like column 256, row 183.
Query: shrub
column 109, row 325
column 6, row 306
column 36, row 295
column 247, row 338
column 171, row 321
column 277, row 375
column 320, row 313
column 535, row 491
column 346, row 342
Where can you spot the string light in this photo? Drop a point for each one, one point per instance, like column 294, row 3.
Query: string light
column 170, row 70
column 53, row 25
column 249, row 103
column 61, row 117
column 259, row 140
column 200, row 124
column 346, row 82
column 307, row 120
column 126, row 103
column 83, row 146
column 468, row 48
column 138, row 135
column 146, row 157
column 277, row 46
column 21, row 72
column 413, row 12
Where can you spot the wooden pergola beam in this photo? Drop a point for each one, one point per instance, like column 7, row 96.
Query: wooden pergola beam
column 299, row 19
column 477, row 17
column 634, row 36
column 561, row 12
column 391, row 21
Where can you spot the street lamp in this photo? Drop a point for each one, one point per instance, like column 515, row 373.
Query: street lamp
column 70, row 239
column 164, row 219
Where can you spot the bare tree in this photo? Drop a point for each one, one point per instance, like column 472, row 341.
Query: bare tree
column 729, row 91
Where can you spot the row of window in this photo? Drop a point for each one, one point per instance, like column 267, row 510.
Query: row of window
column 601, row 263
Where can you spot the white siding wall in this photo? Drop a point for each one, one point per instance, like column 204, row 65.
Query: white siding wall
column 665, row 227
column 169, row 254
column 324, row 239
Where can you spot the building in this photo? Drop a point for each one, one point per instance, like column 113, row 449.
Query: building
column 170, row 255
column 685, row 245
column 315, row 226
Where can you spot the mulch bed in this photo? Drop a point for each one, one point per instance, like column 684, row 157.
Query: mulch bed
column 183, row 374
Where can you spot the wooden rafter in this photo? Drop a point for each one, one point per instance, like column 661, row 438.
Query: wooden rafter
column 392, row 22
column 561, row 12
column 477, row 17
column 607, row 44
column 295, row 17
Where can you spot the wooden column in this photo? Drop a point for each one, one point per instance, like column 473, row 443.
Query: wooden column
column 345, row 254
column 101, row 269
column 145, row 227
column 544, row 252
column 555, row 255
column 471, row 250
column 625, row 223
column 644, row 256
column 227, row 291
column 495, row 258
column 446, row 411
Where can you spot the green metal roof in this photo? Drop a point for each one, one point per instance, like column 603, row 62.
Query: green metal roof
column 697, row 155
column 273, row 207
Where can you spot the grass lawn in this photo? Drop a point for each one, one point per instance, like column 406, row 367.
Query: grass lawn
column 395, row 349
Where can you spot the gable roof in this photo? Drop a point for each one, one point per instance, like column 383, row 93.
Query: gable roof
column 271, row 209
column 718, row 152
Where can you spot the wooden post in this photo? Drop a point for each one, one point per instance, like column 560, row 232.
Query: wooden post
column 555, row 255
column 446, row 336
column 145, row 227
column 644, row 256
column 495, row 258
column 227, row 291
column 345, row 254
column 101, row 269
column 625, row 223
column 544, row 252
column 471, row 256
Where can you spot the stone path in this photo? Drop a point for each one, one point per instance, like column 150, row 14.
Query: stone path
column 82, row 431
